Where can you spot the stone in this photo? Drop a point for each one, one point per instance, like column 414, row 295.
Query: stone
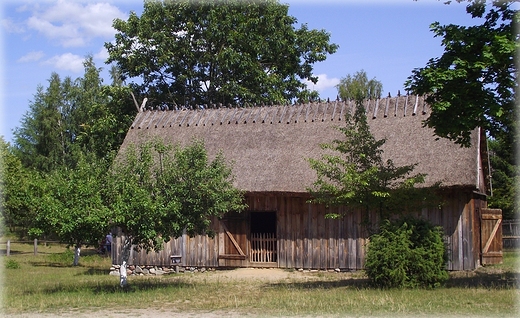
column 114, row 273
column 146, row 271
column 138, row 270
column 160, row 272
column 152, row 270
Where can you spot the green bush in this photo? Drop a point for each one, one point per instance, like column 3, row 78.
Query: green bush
column 407, row 253
column 12, row 264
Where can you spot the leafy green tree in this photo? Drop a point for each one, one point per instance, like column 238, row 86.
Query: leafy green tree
column 18, row 188
column 505, row 176
column 353, row 174
column 358, row 87
column 71, row 206
column 208, row 52
column 473, row 83
column 157, row 192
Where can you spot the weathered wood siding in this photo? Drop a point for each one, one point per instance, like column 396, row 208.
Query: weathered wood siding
column 306, row 239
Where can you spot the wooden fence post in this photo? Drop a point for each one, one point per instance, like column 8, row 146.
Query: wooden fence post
column 35, row 246
column 8, row 248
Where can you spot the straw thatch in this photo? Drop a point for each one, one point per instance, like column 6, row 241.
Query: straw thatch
column 269, row 145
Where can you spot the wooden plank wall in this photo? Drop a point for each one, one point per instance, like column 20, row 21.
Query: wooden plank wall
column 307, row 240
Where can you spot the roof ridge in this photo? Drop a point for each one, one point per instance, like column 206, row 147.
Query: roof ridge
column 398, row 106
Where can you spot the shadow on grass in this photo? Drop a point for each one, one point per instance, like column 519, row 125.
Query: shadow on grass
column 112, row 287
column 355, row 283
column 506, row 280
column 50, row 264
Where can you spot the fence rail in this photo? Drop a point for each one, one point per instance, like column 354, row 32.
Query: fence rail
column 35, row 242
column 511, row 233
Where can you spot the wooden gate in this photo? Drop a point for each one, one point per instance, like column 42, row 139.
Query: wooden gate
column 491, row 236
column 233, row 232
column 263, row 248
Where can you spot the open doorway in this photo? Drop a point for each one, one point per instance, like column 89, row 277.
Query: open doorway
column 263, row 237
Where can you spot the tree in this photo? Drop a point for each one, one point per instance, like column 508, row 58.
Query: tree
column 505, row 176
column 359, row 87
column 71, row 207
column 41, row 142
column 157, row 192
column 207, row 52
column 473, row 83
column 355, row 175
column 19, row 188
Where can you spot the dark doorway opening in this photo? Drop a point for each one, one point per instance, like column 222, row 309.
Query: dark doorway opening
column 263, row 222
column 263, row 237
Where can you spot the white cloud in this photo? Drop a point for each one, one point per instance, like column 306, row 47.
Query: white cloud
column 323, row 83
column 11, row 27
column 31, row 57
column 67, row 62
column 74, row 24
column 102, row 54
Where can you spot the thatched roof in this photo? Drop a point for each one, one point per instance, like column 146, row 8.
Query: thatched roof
column 269, row 144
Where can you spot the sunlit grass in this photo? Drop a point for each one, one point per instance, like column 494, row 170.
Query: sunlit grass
column 48, row 282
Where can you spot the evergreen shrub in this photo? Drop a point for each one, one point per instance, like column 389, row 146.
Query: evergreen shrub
column 407, row 253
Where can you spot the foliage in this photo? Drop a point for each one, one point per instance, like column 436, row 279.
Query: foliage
column 157, row 191
column 18, row 187
column 207, row 52
column 12, row 264
column 355, row 175
column 358, row 87
column 71, row 206
column 407, row 253
column 505, row 175
column 73, row 116
column 473, row 83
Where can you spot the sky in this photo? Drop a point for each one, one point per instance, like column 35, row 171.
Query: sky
column 387, row 39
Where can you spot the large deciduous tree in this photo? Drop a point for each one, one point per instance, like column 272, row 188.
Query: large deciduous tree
column 358, row 87
column 70, row 204
column 207, row 52
column 473, row 84
column 157, row 192
column 17, row 189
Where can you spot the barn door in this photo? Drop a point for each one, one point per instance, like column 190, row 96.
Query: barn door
column 491, row 236
column 233, row 251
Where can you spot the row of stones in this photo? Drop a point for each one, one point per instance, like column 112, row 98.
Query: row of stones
column 137, row 270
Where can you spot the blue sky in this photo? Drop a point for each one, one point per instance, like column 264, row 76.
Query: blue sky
column 387, row 39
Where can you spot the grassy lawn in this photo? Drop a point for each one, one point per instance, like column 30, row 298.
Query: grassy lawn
column 48, row 283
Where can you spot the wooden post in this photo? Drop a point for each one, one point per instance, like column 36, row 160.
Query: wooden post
column 8, row 248
column 35, row 246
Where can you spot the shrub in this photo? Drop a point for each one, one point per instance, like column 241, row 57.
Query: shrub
column 407, row 253
column 12, row 264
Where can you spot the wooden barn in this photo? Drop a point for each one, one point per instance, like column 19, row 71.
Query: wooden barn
column 269, row 146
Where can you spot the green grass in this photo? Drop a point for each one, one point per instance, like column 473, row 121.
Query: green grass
column 48, row 283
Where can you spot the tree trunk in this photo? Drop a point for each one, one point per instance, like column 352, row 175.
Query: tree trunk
column 77, row 252
column 125, row 255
